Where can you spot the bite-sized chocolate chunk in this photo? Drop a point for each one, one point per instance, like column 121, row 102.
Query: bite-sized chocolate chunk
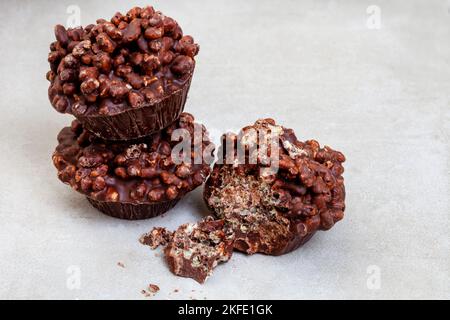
column 197, row 248
column 124, row 78
column 158, row 236
column 135, row 179
column 275, row 211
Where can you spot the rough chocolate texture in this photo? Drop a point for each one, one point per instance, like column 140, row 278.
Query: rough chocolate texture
column 276, row 213
column 158, row 236
column 196, row 249
column 124, row 78
column 134, row 179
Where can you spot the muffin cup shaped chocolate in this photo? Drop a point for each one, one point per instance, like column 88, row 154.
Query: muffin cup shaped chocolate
column 276, row 211
column 124, row 78
column 135, row 123
column 131, row 179
column 132, row 211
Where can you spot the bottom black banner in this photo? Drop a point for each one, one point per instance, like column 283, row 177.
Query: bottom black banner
column 232, row 309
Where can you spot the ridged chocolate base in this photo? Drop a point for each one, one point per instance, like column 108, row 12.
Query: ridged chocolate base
column 136, row 123
column 130, row 211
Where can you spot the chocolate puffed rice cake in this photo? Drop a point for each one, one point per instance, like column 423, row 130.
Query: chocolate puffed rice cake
column 133, row 179
column 124, row 78
column 276, row 211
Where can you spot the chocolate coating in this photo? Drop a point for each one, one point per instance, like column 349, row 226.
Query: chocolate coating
column 276, row 213
column 197, row 248
column 140, row 122
column 140, row 173
column 132, row 211
column 124, row 78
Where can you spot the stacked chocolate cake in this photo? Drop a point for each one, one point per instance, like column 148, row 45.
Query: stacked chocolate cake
column 126, row 82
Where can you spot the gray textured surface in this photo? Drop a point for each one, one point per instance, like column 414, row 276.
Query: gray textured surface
column 380, row 96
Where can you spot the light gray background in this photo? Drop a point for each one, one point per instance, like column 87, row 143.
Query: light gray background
column 380, row 96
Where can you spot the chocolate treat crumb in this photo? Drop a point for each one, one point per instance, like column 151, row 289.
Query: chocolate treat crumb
column 146, row 293
column 156, row 237
column 153, row 288
column 197, row 248
column 176, row 290
column 120, row 264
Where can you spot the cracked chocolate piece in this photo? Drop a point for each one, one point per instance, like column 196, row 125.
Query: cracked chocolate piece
column 131, row 179
column 196, row 249
column 124, row 78
column 158, row 236
column 274, row 212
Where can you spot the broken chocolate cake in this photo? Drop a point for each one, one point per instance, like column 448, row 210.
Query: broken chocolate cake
column 194, row 249
column 273, row 209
